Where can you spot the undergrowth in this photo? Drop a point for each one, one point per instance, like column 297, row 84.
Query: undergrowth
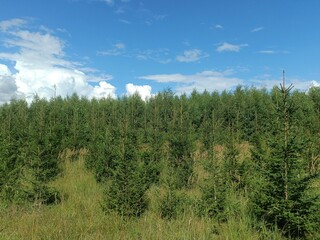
column 79, row 215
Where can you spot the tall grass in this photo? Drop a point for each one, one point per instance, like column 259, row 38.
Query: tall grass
column 79, row 216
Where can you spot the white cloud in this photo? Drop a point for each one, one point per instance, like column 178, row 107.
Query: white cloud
column 98, row 78
column 192, row 55
column 273, row 52
column 265, row 81
column 13, row 23
column 112, row 2
column 218, row 26
column 143, row 91
column 109, row 2
column 4, row 70
column 118, row 49
column 314, row 83
column 267, row 52
column 228, row 47
column 166, row 78
column 104, row 90
column 120, row 46
column 8, row 89
column 303, row 84
column 206, row 80
column 125, row 21
column 156, row 55
column 41, row 67
column 258, row 29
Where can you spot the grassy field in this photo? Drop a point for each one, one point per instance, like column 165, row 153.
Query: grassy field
column 79, row 216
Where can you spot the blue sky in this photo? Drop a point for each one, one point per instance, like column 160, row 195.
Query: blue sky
column 101, row 48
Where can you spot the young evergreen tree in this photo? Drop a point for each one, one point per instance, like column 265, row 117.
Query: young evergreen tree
column 213, row 190
column 231, row 163
column 180, row 160
column 13, row 151
column 42, row 164
column 126, row 192
column 283, row 199
column 103, row 151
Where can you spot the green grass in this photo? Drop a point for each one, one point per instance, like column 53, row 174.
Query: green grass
column 79, row 216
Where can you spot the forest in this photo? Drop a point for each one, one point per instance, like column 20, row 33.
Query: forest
column 241, row 164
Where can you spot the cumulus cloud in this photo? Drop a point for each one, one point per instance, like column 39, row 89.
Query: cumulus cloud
column 143, row 91
column 192, row 55
column 206, row 80
column 228, row 47
column 314, row 83
column 41, row 67
column 4, row 70
column 103, row 90
column 8, row 87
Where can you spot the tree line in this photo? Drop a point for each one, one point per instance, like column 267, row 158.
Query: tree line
column 134, row 144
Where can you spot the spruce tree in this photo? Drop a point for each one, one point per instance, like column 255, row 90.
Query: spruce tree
column 214, row 188
column 180, row 161
column 13, row 151
column 126, row 192
column 42, row 164
column 283, row 199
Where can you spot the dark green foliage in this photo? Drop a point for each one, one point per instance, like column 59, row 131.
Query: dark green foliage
column 133, row 145
column 181, row 161
column 28, row 159
column 126, row 192
column 236, row 172
column 283, row 198
column 104, row 150
column 151, row 168
column 231, row 164
column 14, row 150
column 42, row 163
column 42, row 194
column 42, row 154
column 214, row 190
column 9, row 170
column 171, row 204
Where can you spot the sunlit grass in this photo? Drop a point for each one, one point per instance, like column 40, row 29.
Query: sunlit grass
column 79, row 216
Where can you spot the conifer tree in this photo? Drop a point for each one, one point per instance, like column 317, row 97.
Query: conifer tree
column 231, row 164
column 104, row 151
column 126, row 192
column 181, row 146
column 42, row 164
column 283, row 199
column 180, row 160
column 214, row 188
column 13, row 151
